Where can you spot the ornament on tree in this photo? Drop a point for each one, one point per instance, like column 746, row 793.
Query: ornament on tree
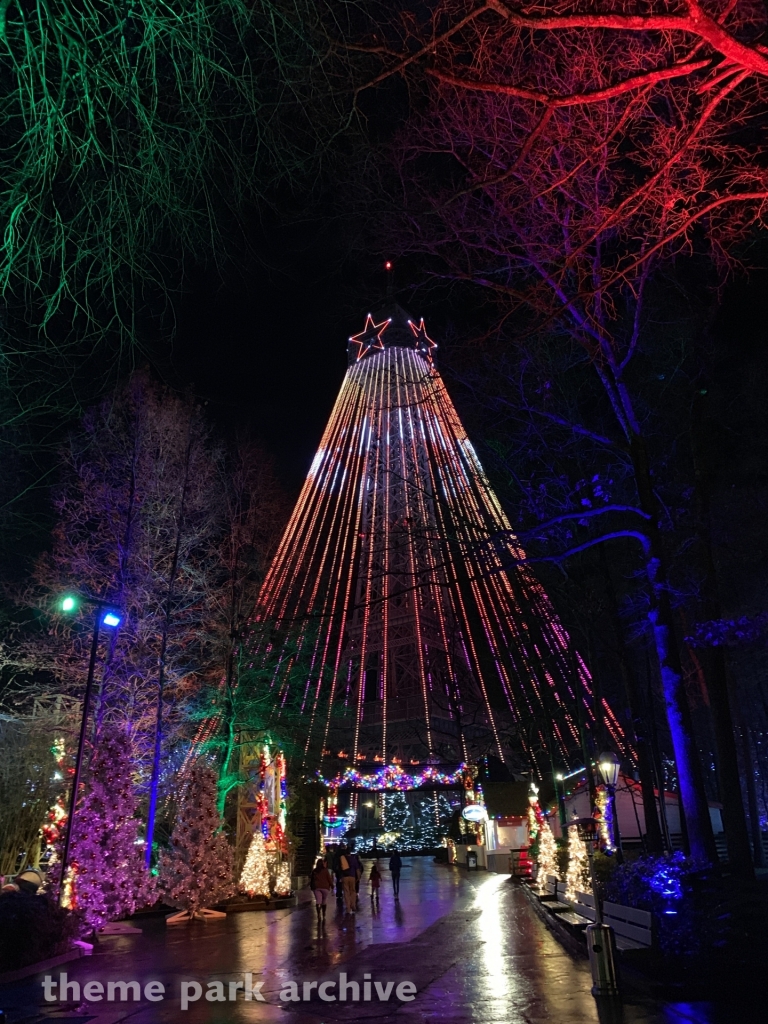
column 196, row 872
column 106, row 877
column 254, row 880
column 577, row 876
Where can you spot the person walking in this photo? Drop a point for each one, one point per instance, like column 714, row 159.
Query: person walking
column 375, row 881
column 348, row 879
column 335, row 869
column 357, row 867
column 395, row 866
column 321, row 883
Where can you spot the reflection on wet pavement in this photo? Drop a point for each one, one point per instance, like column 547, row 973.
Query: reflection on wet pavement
column 469, row 942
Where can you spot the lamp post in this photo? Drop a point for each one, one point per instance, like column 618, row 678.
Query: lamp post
column 104, row 615
column 601, row 942
column 609, row 768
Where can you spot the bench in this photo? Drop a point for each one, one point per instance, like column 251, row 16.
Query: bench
column 633, row 928
column 548, row 891
column 579, row 911
column 550, row 895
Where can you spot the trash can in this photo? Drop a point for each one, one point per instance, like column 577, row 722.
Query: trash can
column 471, row 859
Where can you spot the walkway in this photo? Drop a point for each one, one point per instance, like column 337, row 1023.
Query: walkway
column 469, row 944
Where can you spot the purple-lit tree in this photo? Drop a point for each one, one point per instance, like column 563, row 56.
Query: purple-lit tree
column 106, row 877
column 136, row 511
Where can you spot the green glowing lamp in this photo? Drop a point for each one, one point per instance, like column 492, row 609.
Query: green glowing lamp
column 68, row 604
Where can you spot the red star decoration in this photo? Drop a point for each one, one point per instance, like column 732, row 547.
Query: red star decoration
column 369, row 338
column 424, row 344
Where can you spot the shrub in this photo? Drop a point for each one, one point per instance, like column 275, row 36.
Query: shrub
column 665, row 886
column 33, row 928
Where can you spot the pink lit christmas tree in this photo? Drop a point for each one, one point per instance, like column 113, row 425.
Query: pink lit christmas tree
column 196, row 872
column 107, row 879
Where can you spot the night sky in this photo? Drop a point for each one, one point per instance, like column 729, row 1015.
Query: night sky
column 265, row 342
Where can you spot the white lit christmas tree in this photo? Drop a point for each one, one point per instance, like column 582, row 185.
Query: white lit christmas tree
column 106, row 877
column 397, row 820
column 577, row 876
column 196, row 872
column 547, row 855
column 283, row 879
column 254, row 880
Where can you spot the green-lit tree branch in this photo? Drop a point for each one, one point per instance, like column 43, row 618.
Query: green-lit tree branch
column 129, row 128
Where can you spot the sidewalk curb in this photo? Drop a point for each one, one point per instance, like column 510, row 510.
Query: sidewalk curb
column 42, row 965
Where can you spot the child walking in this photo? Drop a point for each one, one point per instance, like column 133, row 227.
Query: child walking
column 375, row 880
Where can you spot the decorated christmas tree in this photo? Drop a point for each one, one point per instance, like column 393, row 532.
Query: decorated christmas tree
column 254, row 880
column 283, row 880
column 433, row 814
column 577, row 876
column 106, row 876
column 547, row 855
column 196, row 872
column 397, row 820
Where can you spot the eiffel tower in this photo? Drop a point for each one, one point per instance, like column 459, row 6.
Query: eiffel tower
column 428, row 639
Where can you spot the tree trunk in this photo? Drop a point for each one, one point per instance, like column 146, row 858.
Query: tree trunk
column 167, row 616
column 692, row 795
column 754, row 811
column 734, row 818
column 653, row 838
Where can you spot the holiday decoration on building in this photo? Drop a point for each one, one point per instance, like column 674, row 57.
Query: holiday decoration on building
column 196, row 871
column 577, row 876
column 254, row 880
column 405, row 587
column 106, row 876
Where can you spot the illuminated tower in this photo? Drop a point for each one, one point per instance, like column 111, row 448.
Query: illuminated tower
column 425, row 635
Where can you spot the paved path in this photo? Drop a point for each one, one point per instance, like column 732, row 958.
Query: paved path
column 469, row 944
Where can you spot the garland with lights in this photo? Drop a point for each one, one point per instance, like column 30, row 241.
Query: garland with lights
column 393, row 777
column 603, row 815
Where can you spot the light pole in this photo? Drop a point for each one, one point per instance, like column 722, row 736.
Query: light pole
column 104, row 615
column 609, row 768
column 601, row 942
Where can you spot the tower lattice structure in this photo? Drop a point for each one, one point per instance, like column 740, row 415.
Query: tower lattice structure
column 421, row 632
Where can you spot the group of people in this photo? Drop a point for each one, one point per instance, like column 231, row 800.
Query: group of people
column 343, row 865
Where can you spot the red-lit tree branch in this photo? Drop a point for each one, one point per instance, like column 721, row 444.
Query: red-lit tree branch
column 641, row 81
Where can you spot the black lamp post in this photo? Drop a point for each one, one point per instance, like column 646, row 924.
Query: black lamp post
column 104, row 615
column 609, row 768
column 601, row 942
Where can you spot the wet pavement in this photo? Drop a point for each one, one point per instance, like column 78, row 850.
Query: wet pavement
column 458, row 947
